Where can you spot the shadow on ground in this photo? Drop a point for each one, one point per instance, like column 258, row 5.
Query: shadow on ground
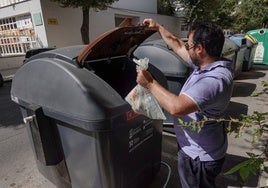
column 235, row 110
column 254, row 73
column 260, row 67
column 250, row 75
column 223, row 181
column 242, row 89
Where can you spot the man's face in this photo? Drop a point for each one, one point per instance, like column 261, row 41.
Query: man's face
column 191, row 47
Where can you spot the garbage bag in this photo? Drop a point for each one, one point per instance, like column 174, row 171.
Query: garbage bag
column 141, row 99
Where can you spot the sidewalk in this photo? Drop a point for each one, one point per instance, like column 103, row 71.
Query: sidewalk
column 243, row 103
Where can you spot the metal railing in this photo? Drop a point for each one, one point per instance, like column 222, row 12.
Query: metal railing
column 17, row 35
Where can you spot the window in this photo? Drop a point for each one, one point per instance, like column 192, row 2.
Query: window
column 16, row 35
column 120, row 18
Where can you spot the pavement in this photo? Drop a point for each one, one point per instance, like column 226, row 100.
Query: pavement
column 18, row 167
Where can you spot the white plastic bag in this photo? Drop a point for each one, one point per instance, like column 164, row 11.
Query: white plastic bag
column 141, row 99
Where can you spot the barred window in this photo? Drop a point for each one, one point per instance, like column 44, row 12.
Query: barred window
column 16, row 35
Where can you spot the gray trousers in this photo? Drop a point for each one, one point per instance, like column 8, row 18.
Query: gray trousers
column 196, row 173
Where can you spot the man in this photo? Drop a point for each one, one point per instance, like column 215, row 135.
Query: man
column 206, row 93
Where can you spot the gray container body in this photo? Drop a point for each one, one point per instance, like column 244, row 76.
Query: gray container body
column 244, row 53
column 83, row 133
column 1, row 80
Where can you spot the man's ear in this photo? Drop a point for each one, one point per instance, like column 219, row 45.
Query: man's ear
column 200, row 49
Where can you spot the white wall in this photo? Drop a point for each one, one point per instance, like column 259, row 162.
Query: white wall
column 69, row 20
column 105, row 20
column 149, row 6
column 20, row 8
column 66, row 31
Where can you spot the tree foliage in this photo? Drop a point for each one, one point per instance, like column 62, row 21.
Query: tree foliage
column 200, row 10
column 251, row 14
column 224, row 15
column 85, row 5
column 99, row 4
column 164, row 7
column 229, row 14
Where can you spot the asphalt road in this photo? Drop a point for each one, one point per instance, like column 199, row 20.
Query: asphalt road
column 17, row 163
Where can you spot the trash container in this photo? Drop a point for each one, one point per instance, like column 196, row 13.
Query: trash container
column 36, row 51
column 244, row 52
column 261, row 52
column 230, row 51
column 1, row 80
column 83, row 133
column 173, row 66
column 249, row 55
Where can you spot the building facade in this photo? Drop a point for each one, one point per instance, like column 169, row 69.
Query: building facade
column 28, row 24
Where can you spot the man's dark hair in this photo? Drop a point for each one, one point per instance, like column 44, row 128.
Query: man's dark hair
column 210, row 36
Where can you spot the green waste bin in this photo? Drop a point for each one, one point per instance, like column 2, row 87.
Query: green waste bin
column 261, row 52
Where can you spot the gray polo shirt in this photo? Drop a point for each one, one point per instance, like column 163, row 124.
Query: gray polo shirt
column 211, row 89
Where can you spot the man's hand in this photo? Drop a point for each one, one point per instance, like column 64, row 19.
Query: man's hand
column 144, row 78
column 151, row 24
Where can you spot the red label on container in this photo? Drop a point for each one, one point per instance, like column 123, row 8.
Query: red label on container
column 131, row 115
